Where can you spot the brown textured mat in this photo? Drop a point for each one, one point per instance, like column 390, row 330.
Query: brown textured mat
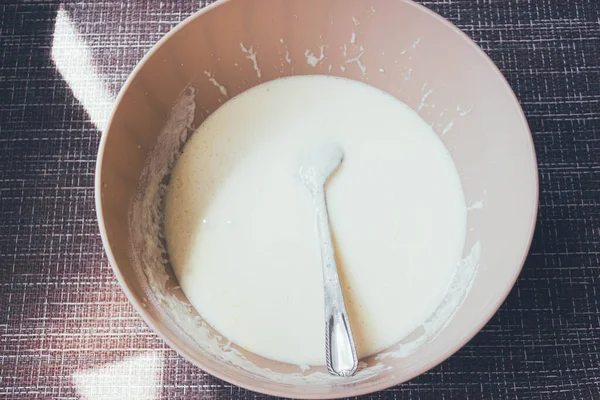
column 66, row 329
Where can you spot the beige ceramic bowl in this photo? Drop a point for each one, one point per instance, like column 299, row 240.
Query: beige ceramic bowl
column 395, row 45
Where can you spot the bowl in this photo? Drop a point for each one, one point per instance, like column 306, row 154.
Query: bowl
column 397, row 46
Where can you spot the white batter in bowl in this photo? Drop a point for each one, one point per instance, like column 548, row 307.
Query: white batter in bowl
column 240, row 227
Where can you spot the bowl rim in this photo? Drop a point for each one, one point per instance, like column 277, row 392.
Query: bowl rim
column 351, row 391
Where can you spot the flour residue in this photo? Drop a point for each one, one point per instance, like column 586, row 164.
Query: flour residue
column 462, row 112
column 356, row 59
column 287, row 58
column 251, row 55
column 447, row 128
column 476, row 205
column 145, row 219
column 211, row 79
column 312, row 59
column 426, row 94
column 457, row 292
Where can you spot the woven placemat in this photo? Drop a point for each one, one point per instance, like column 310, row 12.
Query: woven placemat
column 67, row 330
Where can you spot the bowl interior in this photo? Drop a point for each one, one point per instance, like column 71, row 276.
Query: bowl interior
column 397, row 46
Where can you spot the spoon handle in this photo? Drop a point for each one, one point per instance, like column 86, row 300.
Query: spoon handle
column 340, row 350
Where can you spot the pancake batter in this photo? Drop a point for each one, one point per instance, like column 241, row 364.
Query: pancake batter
column 240, row 227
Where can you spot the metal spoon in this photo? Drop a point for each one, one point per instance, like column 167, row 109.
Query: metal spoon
column 340, row 350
